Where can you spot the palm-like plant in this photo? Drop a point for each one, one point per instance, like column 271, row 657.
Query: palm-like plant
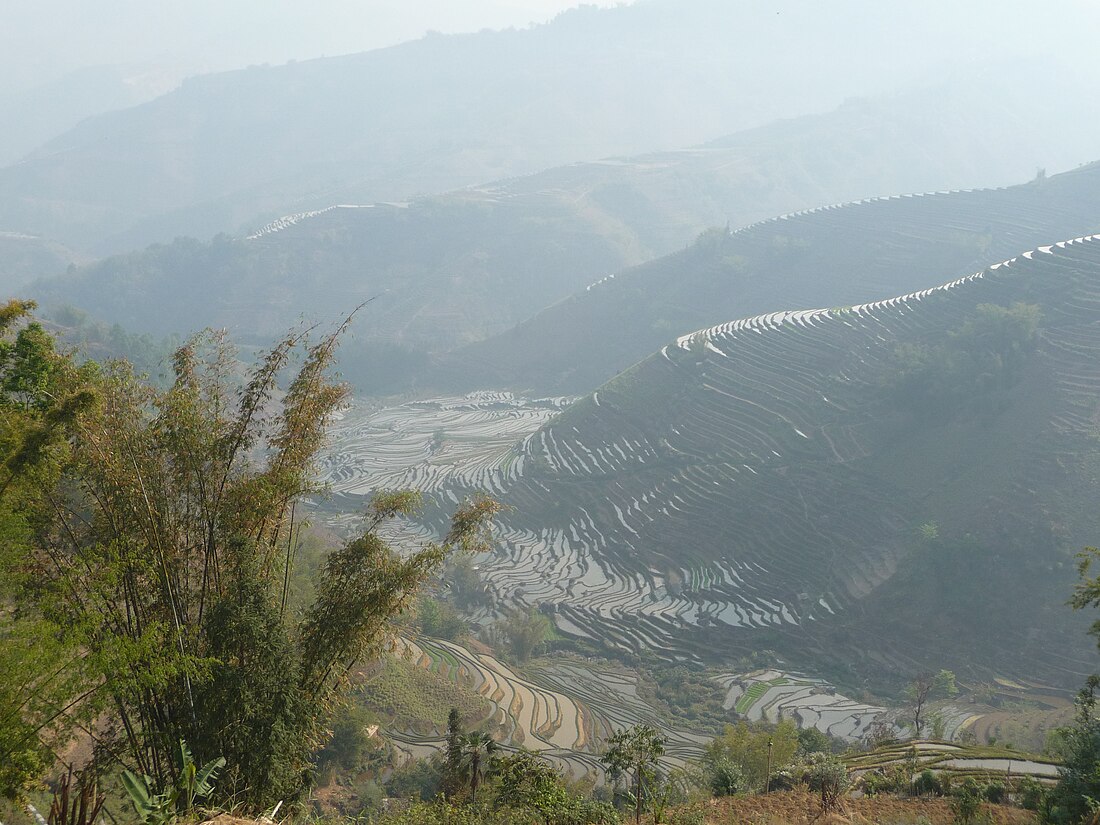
column 477, row 752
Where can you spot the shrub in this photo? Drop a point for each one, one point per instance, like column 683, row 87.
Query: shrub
column 966, row 802
column 928, row 784
column 828, row 777
column 995, row 792
column 1030, row 793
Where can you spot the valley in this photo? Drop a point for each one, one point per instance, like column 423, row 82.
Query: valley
column 680, row 412
column 743, row 486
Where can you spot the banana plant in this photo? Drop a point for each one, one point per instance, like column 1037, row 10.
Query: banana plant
column 193, row 783
column 152, row 808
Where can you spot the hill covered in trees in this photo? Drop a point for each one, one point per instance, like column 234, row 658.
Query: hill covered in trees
column 827, row 256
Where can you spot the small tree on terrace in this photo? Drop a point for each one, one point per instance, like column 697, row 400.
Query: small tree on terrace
column 526, row 631
column 925, row 688
column 478, row 750
column 634, row 752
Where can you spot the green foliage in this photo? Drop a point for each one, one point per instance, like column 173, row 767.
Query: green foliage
column 466, row 588
column 747, row 746
column 966, row 802
column 169, row 550
column 525, row 631
column 689, row 693
column 192, row 783
column 478, row 750
column 438, row 619
column 812, row 740
column 350, row 743
column 986, row 354
column 827, row 776
column 724, row 776
column 44, row 683
column 1072, row 799
column 632, row 754
column 1086, row 592
column 421, row 779
column 526, row 782
column 1030, row 793
column 927, row 784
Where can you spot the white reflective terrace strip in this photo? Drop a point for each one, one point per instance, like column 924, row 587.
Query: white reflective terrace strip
column 775, row 320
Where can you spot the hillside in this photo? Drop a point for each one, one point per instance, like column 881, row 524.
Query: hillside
column 449, row 111
column 457, row 268
column 894, row 486
column 836, row 255
column 26, row 257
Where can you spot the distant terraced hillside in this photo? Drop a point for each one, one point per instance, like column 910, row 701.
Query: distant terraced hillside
column 896, row 485
column 834, row 255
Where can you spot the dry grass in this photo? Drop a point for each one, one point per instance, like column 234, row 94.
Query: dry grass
column 802, row 808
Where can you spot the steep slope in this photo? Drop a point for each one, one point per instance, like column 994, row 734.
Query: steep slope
column 448, row 111
column 834, row 255
column 898, row 485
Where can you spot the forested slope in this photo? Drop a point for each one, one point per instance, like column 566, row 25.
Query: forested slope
column 828, row 256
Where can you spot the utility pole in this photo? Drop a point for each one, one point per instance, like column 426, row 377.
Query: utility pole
column 768, row 773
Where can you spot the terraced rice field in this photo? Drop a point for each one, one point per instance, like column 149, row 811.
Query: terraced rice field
column 472, row 441
column 564, row 711
column 959, row 760
column 740, row 481
column 811, row 703
column 721, row 483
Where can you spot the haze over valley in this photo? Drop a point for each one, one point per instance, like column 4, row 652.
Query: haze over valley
column 565, row 413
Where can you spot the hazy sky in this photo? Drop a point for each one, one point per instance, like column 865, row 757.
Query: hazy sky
column 41, row 40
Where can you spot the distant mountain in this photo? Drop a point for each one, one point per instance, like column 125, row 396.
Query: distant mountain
column 896, row 486
column 26, row 257
column 450, row 111
column 32, row 117
column 827, row 256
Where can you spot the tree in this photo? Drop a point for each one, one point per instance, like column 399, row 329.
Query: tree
column 925, row 688
column 1079, row 780
column 724, row 776
column 1086, row 593
column 747, row 746
column 477, row 752
column 43, row 679
column 526, row 782
column 525, row 631
column 812, row 740
column 828, row 777
column 635, row 752
column 453, row 764
column 466, row 587
column 170, row 552
column 438, row 619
